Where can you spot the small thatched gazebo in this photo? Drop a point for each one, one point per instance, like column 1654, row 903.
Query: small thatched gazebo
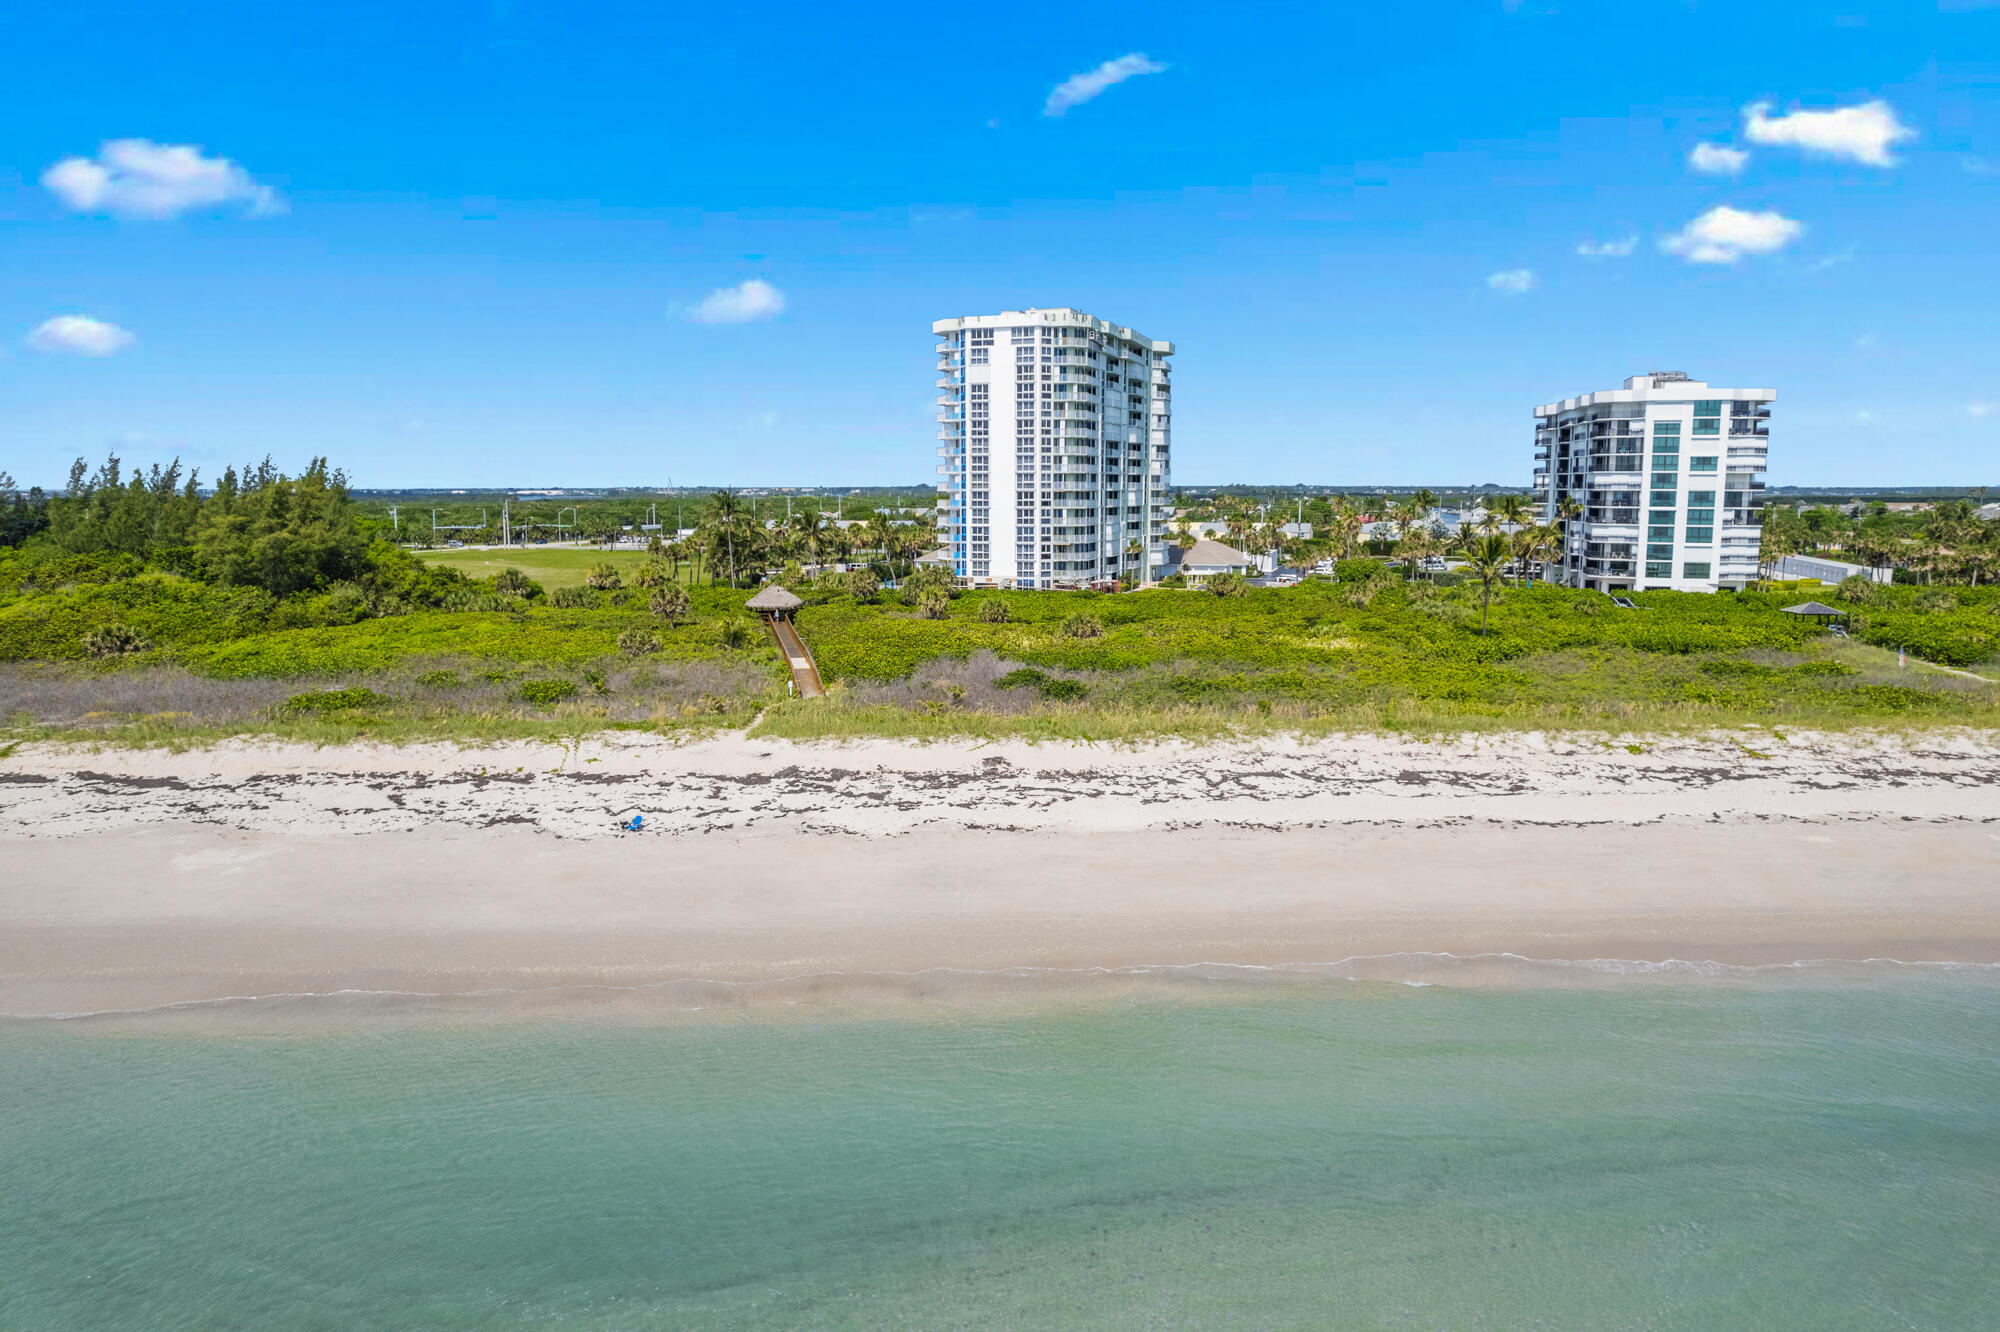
column 1817, row 610
column 774, row 602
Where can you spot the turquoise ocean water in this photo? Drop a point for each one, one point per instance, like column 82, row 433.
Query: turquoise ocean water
column 1698, row 1155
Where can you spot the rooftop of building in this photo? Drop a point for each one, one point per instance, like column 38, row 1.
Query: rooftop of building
column 1056, row 316
column 1658, row 386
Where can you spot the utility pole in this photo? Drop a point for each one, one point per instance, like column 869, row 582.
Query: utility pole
column 506, row 531
column 394, row 526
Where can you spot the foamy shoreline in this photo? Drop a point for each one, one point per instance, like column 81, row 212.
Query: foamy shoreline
column 446, row 881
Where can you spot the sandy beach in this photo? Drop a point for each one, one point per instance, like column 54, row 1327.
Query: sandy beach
column 768, row 871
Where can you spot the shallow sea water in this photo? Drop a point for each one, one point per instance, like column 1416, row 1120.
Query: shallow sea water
column 1699, row 1154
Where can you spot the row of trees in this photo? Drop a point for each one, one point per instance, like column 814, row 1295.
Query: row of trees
column 1950, row 543
column 1339, row 520
column 257, row 527
column 729, row 541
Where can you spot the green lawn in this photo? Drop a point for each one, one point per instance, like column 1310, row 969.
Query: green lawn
column 551, row 566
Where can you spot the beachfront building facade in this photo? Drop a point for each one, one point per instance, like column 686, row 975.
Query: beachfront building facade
column 1055, row 439
column 1666, row 473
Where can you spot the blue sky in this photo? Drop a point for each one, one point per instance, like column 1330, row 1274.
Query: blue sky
column 473, row 243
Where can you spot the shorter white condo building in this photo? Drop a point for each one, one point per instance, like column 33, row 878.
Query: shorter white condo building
column 1664, row 474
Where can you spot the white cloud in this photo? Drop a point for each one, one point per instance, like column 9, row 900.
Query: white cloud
column 1980, row 408
column 79, row 335
column 746, row 303
column 1080, row 88
column 1723, row 235
column 1717, row 159
column 1863, row 133
column 142, row 179
column 1611, row 249
column 1513, row 281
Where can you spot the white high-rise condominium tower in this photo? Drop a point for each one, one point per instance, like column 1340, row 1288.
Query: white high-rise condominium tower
column 1054, row 431
column 1666, row 472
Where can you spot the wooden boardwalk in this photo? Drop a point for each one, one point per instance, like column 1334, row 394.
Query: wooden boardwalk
column 805, row 673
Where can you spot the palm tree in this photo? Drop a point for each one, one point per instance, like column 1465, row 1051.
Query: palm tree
column 1404, row 515
column 1568, row 510
column 879, row 534
column 1135, row 551
column 809, row 529
column 1526, row 540
column 1486, row 559
column 725, row 516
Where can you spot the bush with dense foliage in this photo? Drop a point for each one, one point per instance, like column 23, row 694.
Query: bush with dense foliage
column 114, row 640
column 547, row 693
column 670, row 602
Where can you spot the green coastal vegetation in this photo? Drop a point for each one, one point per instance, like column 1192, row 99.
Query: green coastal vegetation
column 142, row 608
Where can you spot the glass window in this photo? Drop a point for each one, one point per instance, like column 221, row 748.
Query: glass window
column 1665, row 481
column 1666, row 428
column 1700, row 463
column 1700, row 536
column 1707, row 425
column 1662, row 499
column 1660, row 568
column 1713, row 408
column 1694, row 571
column 1660, row 552
column 1701, row 497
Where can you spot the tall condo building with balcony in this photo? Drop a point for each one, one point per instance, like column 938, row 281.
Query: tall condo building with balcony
column 1054, row 430
column 1666, row 472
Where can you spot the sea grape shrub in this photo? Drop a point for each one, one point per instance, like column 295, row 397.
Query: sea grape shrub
column 1935, row 601
column 323, row 701
column 114, row 640
column 638, row 642
column 994, row 611
column 1048, row 686
column 652, row 574
column 934, row 604
column 572, row 598
column 439, row 679
column 861, row 585
column 1227, row 585
column 547, row 693
column 736, row 635
column 603, row 578
column 480, row 601
column 54, row 571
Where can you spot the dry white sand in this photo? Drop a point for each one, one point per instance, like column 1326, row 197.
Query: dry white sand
column 141, row 878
